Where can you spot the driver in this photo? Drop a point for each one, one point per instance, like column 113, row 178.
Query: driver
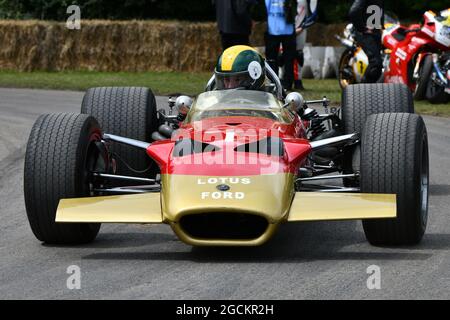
column 240, row 67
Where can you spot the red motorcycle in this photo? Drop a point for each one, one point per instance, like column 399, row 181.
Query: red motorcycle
column 411, row 51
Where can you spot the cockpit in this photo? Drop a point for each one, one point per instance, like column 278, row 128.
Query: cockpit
column 238, row 103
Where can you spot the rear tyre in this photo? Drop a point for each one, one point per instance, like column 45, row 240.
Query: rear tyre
column 424, row 78
column 362, row 100
column 129, row 112
column 394, row 160
column 57, row 164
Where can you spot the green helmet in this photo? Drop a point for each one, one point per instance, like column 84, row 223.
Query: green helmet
column 240, row 67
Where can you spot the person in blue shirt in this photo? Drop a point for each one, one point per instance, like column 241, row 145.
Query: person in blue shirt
column 281, row 31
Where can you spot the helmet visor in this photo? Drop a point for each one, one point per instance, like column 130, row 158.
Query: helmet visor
column 225, row 81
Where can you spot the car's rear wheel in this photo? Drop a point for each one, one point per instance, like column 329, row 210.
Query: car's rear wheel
column 362, row 100
column 394, row 160
column 61, row 153
column 129, row 112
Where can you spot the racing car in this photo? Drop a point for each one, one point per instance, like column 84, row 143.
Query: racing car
column 230, row 166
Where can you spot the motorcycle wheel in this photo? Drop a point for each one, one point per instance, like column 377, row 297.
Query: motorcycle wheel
column 344, row 79
column 424, row 78
column 436, row 94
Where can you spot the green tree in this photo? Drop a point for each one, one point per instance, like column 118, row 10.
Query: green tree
column 330, row 11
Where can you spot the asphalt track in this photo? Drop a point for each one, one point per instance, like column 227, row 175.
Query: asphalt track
column 326, row 260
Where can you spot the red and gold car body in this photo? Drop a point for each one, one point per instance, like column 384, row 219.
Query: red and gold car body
column 228, row 177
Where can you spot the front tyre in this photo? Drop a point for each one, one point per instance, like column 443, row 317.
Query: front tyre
column 394, row 160
column 57, row 166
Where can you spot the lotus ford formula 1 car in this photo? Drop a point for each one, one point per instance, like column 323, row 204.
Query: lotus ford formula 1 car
column 231, row 165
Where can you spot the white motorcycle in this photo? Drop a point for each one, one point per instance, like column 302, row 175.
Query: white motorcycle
column 354, row 61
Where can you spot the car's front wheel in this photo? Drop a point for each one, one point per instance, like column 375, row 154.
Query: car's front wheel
column 394, row 160
column 61, row 153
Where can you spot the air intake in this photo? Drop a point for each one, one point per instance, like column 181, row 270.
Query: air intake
column 224, row 226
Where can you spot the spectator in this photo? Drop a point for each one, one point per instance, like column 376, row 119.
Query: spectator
column 301, row 34
column 234, row 21
column 281, row 31
column 369, row 36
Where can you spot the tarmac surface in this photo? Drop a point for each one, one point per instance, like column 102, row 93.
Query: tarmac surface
column 326, row 260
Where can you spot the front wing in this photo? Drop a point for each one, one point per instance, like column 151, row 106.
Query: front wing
column 306, row 206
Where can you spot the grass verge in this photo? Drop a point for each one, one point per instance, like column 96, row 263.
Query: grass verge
column 162, row 83
column 165, row 83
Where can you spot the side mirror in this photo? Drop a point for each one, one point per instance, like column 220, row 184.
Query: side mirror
column 294, row 101
column 183, row 104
